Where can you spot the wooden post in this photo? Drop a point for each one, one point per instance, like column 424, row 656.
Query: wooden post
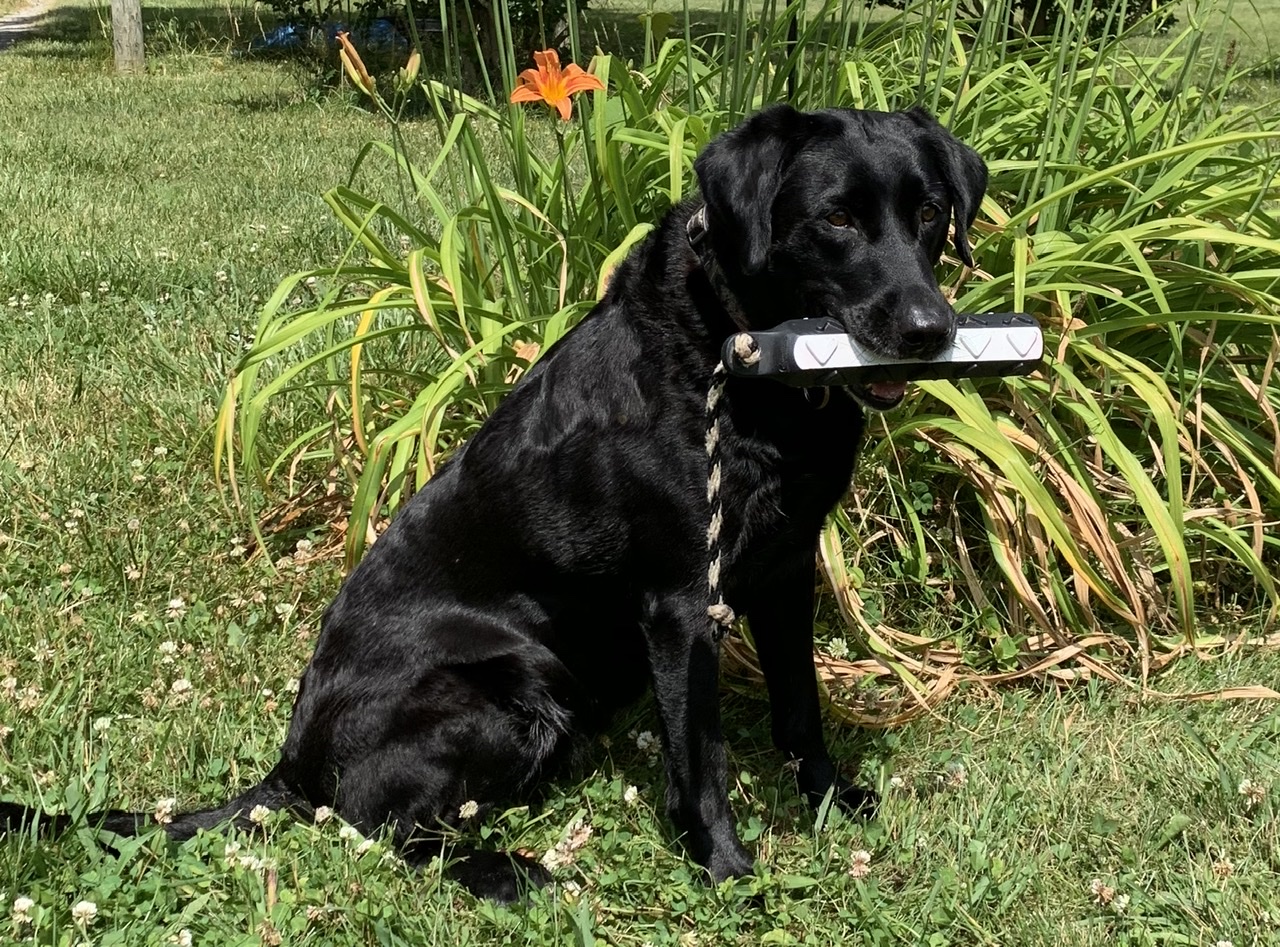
column 126, row 35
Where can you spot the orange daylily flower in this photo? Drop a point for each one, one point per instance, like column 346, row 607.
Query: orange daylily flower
column 354, row 65
column 549, row 84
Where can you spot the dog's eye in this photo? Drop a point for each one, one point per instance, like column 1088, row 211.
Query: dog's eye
column 839, row 219
column 928, row 212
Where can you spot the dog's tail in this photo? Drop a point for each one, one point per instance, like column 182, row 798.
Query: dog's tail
column 273, row 793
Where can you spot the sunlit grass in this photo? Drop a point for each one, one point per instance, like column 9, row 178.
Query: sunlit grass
column 115, row 542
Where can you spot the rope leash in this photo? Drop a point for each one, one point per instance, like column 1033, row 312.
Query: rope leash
column 745, row 348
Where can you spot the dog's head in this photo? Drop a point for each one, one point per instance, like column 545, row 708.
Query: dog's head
column 843, row 213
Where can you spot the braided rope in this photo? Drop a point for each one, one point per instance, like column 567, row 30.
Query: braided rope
column 746, row 349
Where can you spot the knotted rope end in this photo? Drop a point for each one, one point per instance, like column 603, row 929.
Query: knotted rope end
column 722, row 614
column 745, row 349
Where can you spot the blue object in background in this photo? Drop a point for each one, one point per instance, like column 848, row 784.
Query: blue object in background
column 379, row 36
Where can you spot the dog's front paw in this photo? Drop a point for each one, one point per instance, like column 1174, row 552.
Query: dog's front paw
column 730, row 861
column 855, row 800
column 817, row 781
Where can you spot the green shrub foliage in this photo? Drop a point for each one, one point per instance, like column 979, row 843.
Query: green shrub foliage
column 1106, row 508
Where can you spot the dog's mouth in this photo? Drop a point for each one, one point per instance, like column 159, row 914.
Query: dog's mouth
column 880, row 395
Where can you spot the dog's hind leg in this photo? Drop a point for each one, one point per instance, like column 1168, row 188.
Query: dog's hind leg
column 505, row 877
column 469, row 738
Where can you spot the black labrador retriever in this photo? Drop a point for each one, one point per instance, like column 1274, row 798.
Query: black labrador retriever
column 557, row 564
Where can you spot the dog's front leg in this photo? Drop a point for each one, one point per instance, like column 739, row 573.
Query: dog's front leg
column 781, row 617
column 685, row 660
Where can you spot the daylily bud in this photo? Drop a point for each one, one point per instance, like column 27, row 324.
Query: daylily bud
column 409, row 74
column 354, row 65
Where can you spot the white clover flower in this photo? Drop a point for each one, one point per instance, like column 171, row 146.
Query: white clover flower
column 470, row 809
column 1224, row 943
column 5, row 731
column 363, row 847
column 29, row 697
column 561, row 855
column 134, row 524
column 647, row 742
column 323, row 814
column 21, row 913
column 168, row 647
column 349, row 833
column 180, row 687
column 258, row 814
column 101, row 725
column 83, row 913
column 183, row 938
column 838, row 648
column 556, row 858
column 176, row 607
column 860, row 864
column 132, row 573
column 631, row 795
column 1120, row 903
column 1252, row 792
column 1102, row 893
column 164, row 810
column 957, row 775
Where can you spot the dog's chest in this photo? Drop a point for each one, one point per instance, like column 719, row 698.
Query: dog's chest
column 784, row 467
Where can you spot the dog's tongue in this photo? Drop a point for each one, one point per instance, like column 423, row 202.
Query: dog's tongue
column 888, row 390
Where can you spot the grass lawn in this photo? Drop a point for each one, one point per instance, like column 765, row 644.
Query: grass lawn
column 143, row 656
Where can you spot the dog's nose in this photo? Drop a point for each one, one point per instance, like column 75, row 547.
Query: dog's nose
column 926, row 330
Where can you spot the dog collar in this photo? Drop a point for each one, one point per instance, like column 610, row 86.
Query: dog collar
column 696, row 229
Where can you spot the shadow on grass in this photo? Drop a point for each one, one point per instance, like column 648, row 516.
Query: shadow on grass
column 70, row 30
column 84, row 31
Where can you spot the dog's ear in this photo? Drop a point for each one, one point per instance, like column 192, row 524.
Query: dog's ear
column 965, row 175
column 739, row 174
